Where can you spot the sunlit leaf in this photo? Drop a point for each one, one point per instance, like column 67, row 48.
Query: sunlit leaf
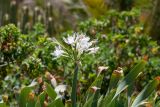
column 146, row 92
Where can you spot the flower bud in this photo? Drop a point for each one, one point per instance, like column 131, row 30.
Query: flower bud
column 39, row 80
column 45, row 104
column 94, row 89
column 53, row 82
column 102, row 69
column 48, row 75
column 5, row 98
column 31, row 96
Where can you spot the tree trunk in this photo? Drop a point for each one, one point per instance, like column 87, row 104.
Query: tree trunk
column 119, row 4
column 4, row 5
column 155, row 22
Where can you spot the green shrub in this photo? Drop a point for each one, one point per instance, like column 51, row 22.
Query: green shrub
column 9, row 35
column 122, row 42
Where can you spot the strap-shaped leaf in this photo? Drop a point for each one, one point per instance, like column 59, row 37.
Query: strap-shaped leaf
column 89, row 101
column 40, row 100
column 3, row 105
column 56, row 103
column 108, row 98
column 97, row 82
column 23, row 97
column 31, row 103
column 130, row 91
column 100, row 101
column 157, row 104
column 50, row 91
column 95, row 99
column 115, row 77
column 38, row 104
column 145, row 93
column 129, row 79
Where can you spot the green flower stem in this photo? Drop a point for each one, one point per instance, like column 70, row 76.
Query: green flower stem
column 74, row 86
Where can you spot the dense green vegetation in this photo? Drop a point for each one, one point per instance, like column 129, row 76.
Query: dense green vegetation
column 97, row 54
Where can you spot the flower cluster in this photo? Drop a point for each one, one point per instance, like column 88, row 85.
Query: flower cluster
column 79, row 43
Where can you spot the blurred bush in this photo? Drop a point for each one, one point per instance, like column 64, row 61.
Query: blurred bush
column 122, row 42
column 56, row 15
column 120, row 36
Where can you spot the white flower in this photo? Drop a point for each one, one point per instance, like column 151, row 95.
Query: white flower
column 58, row 52
column 83, row 43
column 53, row 82
column 94, row 88
column 60, row 89
column 101, row 68
column 93, row 50
column 79, row 43
column 70, row 40
column 120, row 70
column 33, row 83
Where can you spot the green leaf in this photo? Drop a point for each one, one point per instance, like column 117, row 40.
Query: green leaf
column 40, row 100
column 100, row 101
column 95, row 99
column 157, row 104
column 23, row 97
column 56, row 103
column 68, row 104
column 97, row 82
column 89, row 101
column 108, row 98
column 129, row 93
column 114, row 80
column 50, row 91
column 3, row 105
column 31, row 103
column 38, row 104
column 145, row 93
column 129, row 79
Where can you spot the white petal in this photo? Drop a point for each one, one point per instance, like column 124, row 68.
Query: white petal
column 60, row 88
column 70, row 39
column 93, row 50
column 33, row 83
column 58, row 52
column 53, row 82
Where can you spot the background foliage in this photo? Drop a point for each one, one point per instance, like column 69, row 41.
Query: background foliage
column 27, row 44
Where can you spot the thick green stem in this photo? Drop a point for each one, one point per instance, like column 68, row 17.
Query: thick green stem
column 74, row 86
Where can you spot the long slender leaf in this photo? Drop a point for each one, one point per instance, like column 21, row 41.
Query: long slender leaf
column 38, row 104
column 115, row 77
column 24, row 96
column 129, row 93
column 95, row 99
column 89, row 101
column 31, row 103
column 40, row 100
column 97, row 82
column 157, row 104
column 145, row 93
column 100, row 101
column 50, row 91
column 56, row 103
column 108, row 97
column 129, row 79
column 3, row 105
